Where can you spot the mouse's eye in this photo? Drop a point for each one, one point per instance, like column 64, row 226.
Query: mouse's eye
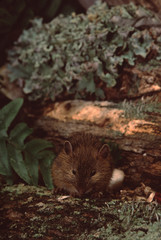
column 74, row 172
column 93, row 172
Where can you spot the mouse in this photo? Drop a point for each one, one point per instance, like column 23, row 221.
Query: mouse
column 84, row 167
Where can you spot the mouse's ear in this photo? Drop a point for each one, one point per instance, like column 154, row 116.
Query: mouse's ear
column 104, row 151
column 68, row 147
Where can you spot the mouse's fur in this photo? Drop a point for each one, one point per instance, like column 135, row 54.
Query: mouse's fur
column 84, row 166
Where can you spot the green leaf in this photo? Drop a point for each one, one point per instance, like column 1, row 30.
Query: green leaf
column 3, row 134
column 109, row 79
column 33, row 151
column 37, row 145
column 90, row 87
column 46, row 159
column 20, row 132
column 125, row 13
column 100, row 93
column 53, row 7
column 9, row 112
column 129, row 56
column 87, row 83
column 141, row 51
column 17, row 73
column 5, row 167
column 32, row 165
column 20, row 7
column 141, row 43
column 18, row 164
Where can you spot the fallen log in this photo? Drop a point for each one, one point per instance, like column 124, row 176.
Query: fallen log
column 138, row 137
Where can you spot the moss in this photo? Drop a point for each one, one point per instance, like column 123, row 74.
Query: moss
column 47, row 217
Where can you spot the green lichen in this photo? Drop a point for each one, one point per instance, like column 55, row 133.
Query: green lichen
column 81, row 55
column 19, row 189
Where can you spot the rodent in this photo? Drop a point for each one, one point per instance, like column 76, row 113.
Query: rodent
column 84, row 166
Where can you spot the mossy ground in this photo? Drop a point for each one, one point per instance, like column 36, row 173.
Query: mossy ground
column 34, row 213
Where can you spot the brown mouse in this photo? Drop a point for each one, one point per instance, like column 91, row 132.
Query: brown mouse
column 83, row 167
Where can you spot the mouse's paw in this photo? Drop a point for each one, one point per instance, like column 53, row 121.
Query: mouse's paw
column 97, row 195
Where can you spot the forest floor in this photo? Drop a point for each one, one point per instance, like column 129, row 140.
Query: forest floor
column 28, row 212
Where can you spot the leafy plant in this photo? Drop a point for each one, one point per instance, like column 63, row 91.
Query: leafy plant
column 82, row 55
column 15, row 16
column 24, row 157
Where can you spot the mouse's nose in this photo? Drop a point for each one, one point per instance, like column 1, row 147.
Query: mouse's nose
column 81, row 191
